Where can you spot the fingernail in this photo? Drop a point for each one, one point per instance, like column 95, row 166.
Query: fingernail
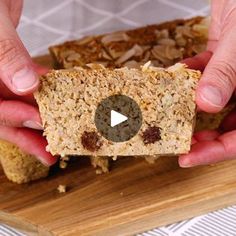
column 42, row 160
column 212, row 95
column 24, row 80
column 193, row 141
column 185, row 163
column 32, row 125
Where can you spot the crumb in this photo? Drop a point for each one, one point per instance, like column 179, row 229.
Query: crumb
column 99, row 171
column 61, row 188
column 114, row 158
column 63, row 164
column 151, row 159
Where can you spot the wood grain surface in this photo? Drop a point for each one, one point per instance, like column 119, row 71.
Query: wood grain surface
column 135, row 196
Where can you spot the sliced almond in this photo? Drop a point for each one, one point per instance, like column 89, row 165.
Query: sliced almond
column 114, row 53
column 115, row 37
column 66, row 53
column 166, row 41
column 180, row 40
column 164, row 33
column 157, row 33
column 161, row 33
column 176, row 67
column 146, row 66
column 84, row 40
column 159, row 52
column 105, row 55
column 73, row 56
column 96, row 65
column 206, row 21
column 136, row 50
column 132, row 64
column 201, row 30
column 173, row 53
column 185, row 30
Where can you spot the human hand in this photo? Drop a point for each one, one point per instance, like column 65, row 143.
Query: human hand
column 216, row 87
column 18, row 80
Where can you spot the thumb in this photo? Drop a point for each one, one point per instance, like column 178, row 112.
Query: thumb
column 16, row 69
column 219, row 78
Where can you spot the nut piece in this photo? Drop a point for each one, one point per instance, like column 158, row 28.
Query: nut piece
column 136, row 50
column 91, row 141
column 151, row 135
column 115, row 37
column 166, row 41
column 132, row 64
column 84, row 40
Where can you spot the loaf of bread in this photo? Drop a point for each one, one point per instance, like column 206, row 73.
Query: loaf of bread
column 162, row 44
column 68, row 100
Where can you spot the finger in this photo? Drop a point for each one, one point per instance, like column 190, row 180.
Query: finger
column 193, row 140
column 40, row 70
column 206, row 135
column 219, row 78
column 215, row 28
column 209, row 152
column 15, row 10
column 16, row 69
column 229, row 122
column 8, row 95
column 199, row 61
column 19, row 114
column 29, row 141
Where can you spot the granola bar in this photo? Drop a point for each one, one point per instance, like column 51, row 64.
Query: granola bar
column 165, row 97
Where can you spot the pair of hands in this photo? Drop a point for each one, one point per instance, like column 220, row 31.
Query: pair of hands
column 19, row 117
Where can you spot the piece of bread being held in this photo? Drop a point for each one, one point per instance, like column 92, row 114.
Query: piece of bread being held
column 68, row 100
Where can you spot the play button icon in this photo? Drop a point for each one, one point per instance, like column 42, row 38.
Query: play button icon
column 118, row 118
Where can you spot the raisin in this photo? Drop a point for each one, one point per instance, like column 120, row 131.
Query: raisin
column 151, row 135
column 91, row 141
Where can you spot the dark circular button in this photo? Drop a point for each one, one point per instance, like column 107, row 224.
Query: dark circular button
column 118, row 118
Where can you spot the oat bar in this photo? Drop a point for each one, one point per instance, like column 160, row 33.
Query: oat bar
column 68, row 99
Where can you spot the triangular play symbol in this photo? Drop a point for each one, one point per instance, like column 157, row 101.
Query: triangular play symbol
column 117, row 118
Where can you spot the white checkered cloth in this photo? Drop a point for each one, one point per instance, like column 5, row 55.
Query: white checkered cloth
column 47, row 22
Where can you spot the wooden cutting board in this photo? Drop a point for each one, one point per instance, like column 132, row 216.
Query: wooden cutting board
column 135, row 196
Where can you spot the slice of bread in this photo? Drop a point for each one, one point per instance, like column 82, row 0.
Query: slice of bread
column 18, row 166
column 163, row 44
column 68, row 100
